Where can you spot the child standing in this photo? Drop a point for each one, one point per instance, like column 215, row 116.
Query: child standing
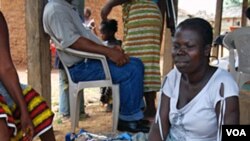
column 108, row 29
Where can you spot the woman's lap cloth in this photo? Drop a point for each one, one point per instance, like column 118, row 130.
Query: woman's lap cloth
column 39, row 111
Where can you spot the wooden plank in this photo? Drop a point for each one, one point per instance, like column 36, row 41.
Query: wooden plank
column 217, row 26
column 166, row 47
column 243, row 14
column 167, row 63
column 38, row 51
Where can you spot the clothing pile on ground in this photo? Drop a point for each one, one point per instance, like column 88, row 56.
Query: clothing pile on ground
column 87, row 136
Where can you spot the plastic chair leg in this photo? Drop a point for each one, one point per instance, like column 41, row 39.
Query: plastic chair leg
column 116, row 106
column 77, row 110
column 73, row 108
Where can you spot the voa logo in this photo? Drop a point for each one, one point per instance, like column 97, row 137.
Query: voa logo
column 236, row 132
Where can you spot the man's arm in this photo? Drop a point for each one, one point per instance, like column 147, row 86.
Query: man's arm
column 114, row 54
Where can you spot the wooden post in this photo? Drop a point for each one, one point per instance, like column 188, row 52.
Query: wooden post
column 38, row 51
column 167, row 63
column 243, row 14
column 166, row 49
column 217, row 25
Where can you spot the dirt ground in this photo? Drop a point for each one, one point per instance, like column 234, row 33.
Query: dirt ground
column 99, row 122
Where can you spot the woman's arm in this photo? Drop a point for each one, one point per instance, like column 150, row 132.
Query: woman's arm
column 9, row 77
column 154, row 134
column 231, row 115
column 108, row 7
column 231, row 112
column 8, row 74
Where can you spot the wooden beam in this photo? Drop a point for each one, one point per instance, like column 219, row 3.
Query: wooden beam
column 166, row 49
column 38, row 51
column 167, row 63
column 217, row 25
column 243, row 14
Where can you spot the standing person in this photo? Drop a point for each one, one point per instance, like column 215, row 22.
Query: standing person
column 88, row 21
column 143, row 26
column 63, row 24
column 190, row 104
column 23, row 113
column 108, row 29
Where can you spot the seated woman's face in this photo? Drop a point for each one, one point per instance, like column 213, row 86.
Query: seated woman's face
column 187, row 51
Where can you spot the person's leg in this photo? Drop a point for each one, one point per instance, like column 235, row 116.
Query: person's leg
column 150, row 110
column 48, row 135
column 130, row 80
column 4, row 134
column 63, row 93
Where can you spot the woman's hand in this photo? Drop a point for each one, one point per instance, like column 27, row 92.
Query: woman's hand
column 27, row 127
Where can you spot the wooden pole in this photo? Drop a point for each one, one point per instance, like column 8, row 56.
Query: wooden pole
column 217, row 25
column 166, row 49
column 167, row 63
column 243, row 15
column 38, row 51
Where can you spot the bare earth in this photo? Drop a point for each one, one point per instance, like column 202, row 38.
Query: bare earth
column 99, row 121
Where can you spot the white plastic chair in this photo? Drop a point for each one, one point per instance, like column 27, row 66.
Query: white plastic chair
column 238, row 44
column 74, row 88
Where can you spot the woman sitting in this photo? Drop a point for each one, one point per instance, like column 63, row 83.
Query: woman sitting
column 23, row 112
column 196, row 98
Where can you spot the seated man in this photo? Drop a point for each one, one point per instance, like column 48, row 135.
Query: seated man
column 63, row 24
